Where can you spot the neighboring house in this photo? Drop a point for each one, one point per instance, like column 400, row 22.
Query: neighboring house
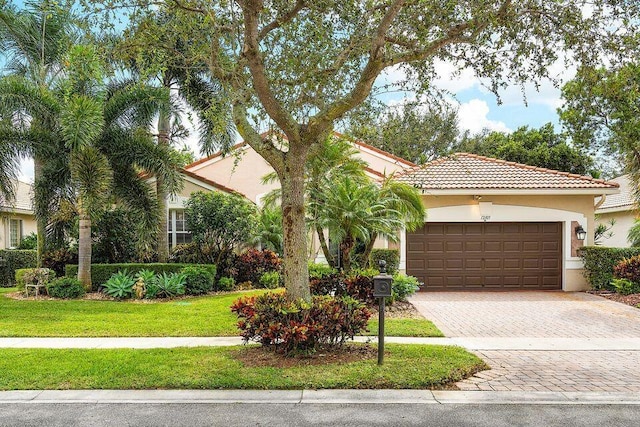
column 497, row 225
column 177, row 225
column 17, row 215
column 620, row 208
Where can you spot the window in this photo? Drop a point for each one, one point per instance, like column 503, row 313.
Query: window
column 177, row 228
column 15, row 232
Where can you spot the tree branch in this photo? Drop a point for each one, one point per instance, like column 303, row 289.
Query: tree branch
column 281, row 20
column 284, row 120
column 263, row 146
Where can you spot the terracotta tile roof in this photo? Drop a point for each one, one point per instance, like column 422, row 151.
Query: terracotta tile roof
column 22, row 198
column 470, row 171
column 623, row 200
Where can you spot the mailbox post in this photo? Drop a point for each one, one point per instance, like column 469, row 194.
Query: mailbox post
column 381, row 290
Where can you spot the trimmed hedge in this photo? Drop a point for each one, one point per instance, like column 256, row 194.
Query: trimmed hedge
column 391, row 256
column 100, row 273
column 15, row 260
column 599, row 263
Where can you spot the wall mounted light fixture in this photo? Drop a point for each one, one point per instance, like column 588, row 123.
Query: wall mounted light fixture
column 580, row 233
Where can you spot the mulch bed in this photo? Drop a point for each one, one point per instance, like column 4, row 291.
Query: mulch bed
column 261, row 357
column 398, row 310
column 632, row 300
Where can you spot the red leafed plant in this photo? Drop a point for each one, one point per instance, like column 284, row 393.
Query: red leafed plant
column 292, row 327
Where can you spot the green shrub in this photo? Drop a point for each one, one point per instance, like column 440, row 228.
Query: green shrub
column 20, row 276
column 391, row 256
column 290, row 327
column 403, row 286
column 15, row 260
column 270, row 280
column 225, row 284
column 366, row 272
column 100, row 273
column 119, row 285
column 167, row 286
column 198, row 280
column 625, row 286
column 319, row 271
column 30, row 241
column 65, row 287
column 599, row 263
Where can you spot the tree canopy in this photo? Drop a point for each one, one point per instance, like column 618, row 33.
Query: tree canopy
column 412, row 131
column 536, row 147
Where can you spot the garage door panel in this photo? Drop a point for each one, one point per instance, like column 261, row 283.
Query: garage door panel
column 490, row 256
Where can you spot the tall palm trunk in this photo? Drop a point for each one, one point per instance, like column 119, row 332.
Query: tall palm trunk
column 84, row 251
column 162, row 241
column 41, row 221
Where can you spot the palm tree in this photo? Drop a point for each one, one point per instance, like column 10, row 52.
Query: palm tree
column 190, row 87
column 106, row 129
column 34, row 42
column 270, row 230
column 400, row 199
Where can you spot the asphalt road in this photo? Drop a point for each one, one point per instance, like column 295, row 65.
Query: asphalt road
column 388, row 415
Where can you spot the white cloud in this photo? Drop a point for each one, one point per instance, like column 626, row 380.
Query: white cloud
column 472, row 116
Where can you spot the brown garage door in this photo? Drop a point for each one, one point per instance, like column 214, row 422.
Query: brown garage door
column 486, row 256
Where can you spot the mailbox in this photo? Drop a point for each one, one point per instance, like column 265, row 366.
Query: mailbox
column 382, row 282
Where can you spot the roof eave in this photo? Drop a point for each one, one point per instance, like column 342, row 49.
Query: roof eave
column 517, row 191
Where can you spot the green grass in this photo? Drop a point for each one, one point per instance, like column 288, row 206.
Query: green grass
column 406, row 366
column 405, row 328
column 202, row 316
column 197, row 317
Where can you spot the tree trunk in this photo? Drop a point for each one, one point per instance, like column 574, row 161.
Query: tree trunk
column 368, row 249
column 84, row 252
column 41, row 222
column 346, row 246
column 296, row 269
column 162, row 239
column 325, row 247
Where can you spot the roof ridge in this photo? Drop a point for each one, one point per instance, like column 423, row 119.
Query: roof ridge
column 539, row 169
column 335, row 133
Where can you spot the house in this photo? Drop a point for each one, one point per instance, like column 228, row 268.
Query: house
column 620, row 208
column 242, row 170
column 497, row 225
column 178, row 232
column 18, row 218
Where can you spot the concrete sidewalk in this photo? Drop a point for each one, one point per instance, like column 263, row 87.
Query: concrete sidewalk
column 470, row 343
column 313, row 397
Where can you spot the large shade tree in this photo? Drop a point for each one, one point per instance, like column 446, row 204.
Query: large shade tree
column 299, row 66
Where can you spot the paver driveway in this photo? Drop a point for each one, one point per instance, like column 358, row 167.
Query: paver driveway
column 595, row 342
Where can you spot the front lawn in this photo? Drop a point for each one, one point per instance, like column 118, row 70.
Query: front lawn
column 196, row 317
column 405, row 367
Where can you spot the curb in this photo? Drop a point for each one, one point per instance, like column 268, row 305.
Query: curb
column 314, row 397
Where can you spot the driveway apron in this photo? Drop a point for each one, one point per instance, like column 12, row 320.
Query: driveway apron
column 555, row 341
